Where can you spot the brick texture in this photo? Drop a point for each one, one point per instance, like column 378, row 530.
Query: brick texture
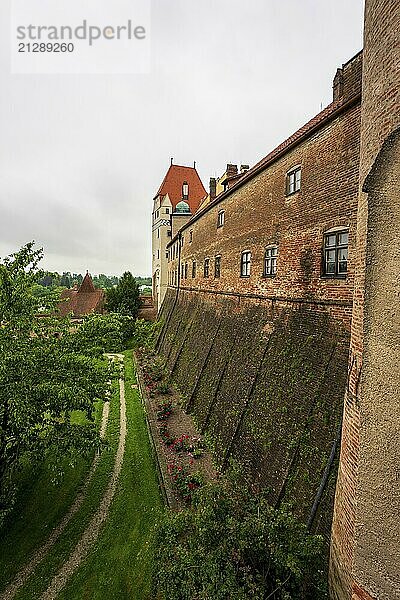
column 380, row 116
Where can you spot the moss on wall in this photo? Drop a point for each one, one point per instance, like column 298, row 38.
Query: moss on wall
column 266, row 383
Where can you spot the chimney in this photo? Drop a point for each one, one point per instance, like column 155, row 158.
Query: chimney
column 231, row 170
column 338, row 85
column 244, row 168
column 213, row 188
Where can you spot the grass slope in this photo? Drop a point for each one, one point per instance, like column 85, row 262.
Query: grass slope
column 44, row 496
column 61, row 550
column 119, row 567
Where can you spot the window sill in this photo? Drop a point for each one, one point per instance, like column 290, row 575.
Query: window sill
column 290, row 194
column 342, row 277
column 267, row 276
column 244, row 276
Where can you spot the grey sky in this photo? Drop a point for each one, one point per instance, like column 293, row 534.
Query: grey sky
column 81, row 156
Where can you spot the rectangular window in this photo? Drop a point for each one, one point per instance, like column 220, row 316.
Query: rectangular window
column 335, row 253
column 245, row 263
column 217, row 267
column 158, row 254
column 167, row 211
column 221, row 218
column 193, row 269
column 293, row 181
column 186, row 270
column 190, row 237
column 270, row 259
column 169, row 233
column 182, row 271
column 206, row 267
column 158, row 233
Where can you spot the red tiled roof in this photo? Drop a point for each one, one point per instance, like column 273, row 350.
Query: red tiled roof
column 172, row 185
column 87, row 285
column 82, row 302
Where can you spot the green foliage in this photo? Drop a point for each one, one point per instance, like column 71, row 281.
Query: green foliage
column 47, row 370
column 233, row 545
column 145, row 334
column 124, row 298
column 103, row 333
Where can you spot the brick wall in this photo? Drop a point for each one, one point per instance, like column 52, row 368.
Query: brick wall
column 259, row 214
column 364, row 464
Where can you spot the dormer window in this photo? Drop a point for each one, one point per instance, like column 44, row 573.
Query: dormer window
column 293, row 180
column 185, row 190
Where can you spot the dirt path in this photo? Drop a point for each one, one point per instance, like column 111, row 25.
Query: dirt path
column 91, row 533
column 22, row 577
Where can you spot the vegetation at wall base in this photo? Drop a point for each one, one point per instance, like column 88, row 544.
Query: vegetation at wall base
column 231, row 545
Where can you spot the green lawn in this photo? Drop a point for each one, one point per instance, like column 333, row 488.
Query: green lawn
column 120, row 565
column 42, row 500
column 121, row 561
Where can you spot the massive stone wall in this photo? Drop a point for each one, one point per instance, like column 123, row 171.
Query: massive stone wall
column 265, row 381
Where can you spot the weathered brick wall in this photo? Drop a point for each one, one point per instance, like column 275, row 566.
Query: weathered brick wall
column 262, row 361
column 265, row 381
column 359, row 561
column 259, row 214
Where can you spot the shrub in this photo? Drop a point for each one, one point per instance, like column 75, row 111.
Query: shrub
column 232, row 545
column 164, row 410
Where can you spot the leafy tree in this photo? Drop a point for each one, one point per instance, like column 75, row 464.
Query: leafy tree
column 44, row 375
column 65, row 280
column 232, row 545
column 124, row 298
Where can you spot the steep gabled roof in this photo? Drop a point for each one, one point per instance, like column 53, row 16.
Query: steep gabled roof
column 172, row 185
column 87, row 299
column 87, row 285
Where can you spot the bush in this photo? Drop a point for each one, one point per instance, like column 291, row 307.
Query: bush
column 232, row 545
column 144, row 334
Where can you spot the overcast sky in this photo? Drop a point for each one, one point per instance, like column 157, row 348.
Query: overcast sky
column 83, row 155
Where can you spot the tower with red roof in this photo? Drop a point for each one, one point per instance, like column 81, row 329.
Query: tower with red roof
column 179, row 195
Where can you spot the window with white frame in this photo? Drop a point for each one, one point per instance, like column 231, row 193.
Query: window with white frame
column 206, row 267
column 221, row 218
column 336, row 247
column 245, row 263
column 217, row 267
column 270, row 260
column 293, row 180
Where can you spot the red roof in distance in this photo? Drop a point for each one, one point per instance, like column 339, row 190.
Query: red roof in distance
column 172, row 185
column 87, row 299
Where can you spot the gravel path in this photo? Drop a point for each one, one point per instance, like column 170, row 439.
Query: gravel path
column 91, row 533
column 23, row 575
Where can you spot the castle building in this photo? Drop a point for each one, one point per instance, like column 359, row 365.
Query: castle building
column 286, row 227
column 272, row 281
column 178, row 197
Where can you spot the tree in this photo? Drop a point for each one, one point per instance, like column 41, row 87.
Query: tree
column 124, row 298
column 44, row 375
